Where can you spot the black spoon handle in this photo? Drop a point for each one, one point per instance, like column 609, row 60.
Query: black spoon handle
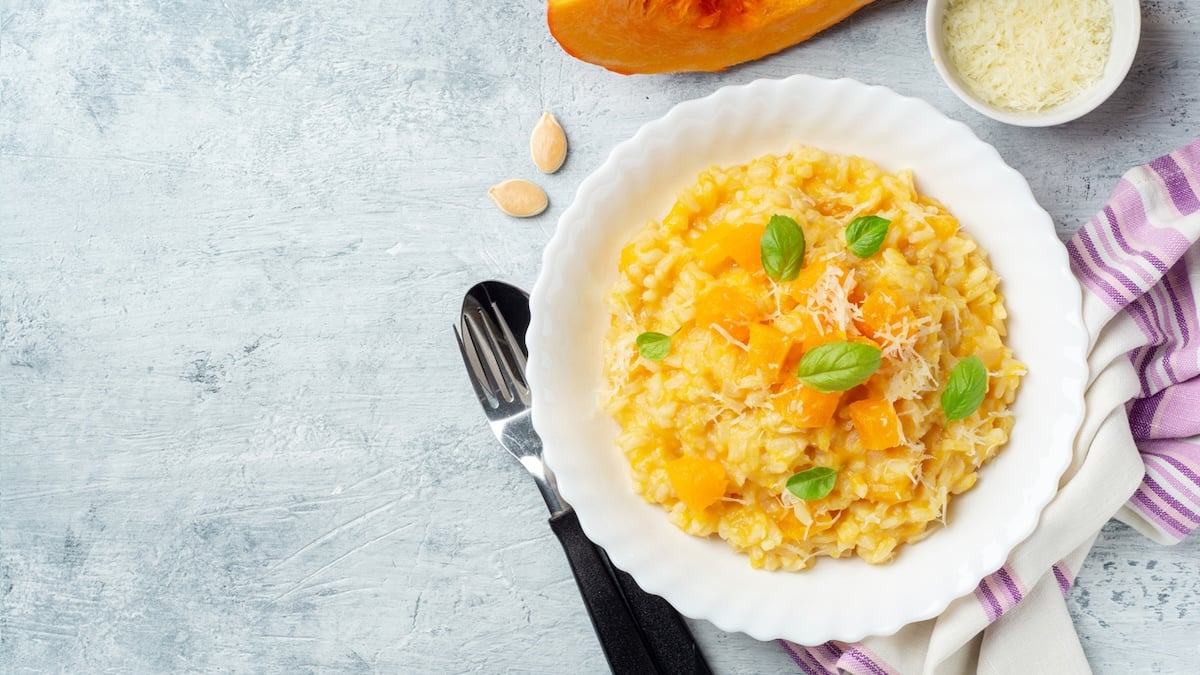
column 665, row 631
column 620, row 637
column 662, row 636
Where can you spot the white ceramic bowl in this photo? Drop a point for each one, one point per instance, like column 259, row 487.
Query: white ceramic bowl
column 704, row 578
column 1126, row 32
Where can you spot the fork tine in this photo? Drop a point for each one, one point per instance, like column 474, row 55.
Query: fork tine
column 475, row 369
column 481, row 331
column 513, row 342
column 514, row 350
column 505, row 349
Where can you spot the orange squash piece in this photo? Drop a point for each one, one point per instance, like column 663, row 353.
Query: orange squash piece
column 815, row 333
column 730, row 307
column 804, row 283
column 699, row 482
column 745, row 247
column 672, row 36
column 710, row 247
column 807, row 408
column 769, row 347
column 792, row 361
column 721, row 243
column 878, row 308
column 882, row 309
column 807, row 278
column 877, row 424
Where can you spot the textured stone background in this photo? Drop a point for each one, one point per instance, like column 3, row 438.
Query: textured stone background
column 235, row 434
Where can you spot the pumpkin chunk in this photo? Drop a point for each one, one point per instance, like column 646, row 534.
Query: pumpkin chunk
column 807, row 279
column 768, row 349
column 710, row 247
column 882, row 311
column 730, row 307
column 815, row 333
column 807, row 408
column 672, row 36
column 877, row 424
column 804, row 287
column 698, row 482
column 745, row 247
column 716, row 246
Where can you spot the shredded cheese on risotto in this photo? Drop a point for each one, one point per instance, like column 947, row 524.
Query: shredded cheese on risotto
column 714, row 430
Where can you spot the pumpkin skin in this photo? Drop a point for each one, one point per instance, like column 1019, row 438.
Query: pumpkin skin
column 671, row 36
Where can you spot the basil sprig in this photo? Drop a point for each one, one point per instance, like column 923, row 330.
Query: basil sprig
column 654, row 346
column 782, row 248
column 865, row 234
column 814, row 483
column 965, row 389
column 838, row 366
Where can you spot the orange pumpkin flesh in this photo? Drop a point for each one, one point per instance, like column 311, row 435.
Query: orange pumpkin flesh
column 877, row 423
column 807, row 408
column 698, row 482
column 671, row 36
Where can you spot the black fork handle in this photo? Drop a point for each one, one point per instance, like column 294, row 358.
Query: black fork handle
column 639, row 632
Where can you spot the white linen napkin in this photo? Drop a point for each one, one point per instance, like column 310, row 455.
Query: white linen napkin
column 1137, row 455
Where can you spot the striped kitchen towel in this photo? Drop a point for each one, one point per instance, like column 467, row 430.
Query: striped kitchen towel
column 1137, row 455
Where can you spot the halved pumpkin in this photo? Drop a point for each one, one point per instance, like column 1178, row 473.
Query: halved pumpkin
column 671, row 36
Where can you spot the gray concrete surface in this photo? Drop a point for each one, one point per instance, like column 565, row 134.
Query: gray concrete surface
column 235, row 435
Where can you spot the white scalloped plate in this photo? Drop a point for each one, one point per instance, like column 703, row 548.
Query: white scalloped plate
column 835, row 599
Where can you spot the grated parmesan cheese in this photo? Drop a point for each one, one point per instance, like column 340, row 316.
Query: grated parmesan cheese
column 1028, row 55
column 720, row 330
column 830, row 298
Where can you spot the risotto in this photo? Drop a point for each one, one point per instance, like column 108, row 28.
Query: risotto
column 806, row 357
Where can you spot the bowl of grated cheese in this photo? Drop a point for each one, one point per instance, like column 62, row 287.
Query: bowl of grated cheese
column 1033, row 63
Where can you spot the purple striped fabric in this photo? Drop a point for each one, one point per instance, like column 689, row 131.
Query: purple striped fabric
column 1064, row 576
column 802, row 659
column 1171, row 413
column 1123, row 250
column 1172, row 330
column 862, row 661
column 833, row 657
column 1136, row 256
column 999, row 592
column 828, row 655
column 1181, row 455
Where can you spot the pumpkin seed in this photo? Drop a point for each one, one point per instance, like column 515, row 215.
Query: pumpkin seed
column 548, row 144
column 519, row 198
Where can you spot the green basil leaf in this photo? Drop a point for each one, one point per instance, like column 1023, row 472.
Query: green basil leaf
column 838, row 366
column 782, row 248
column 865, row 234
column 965, row 389
column 812, row 484
column 654, row 346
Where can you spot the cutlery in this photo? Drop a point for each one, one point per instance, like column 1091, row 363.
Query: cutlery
column 639, row 632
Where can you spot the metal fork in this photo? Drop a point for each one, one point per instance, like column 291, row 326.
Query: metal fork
column 496, row 362
column 639, row 632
